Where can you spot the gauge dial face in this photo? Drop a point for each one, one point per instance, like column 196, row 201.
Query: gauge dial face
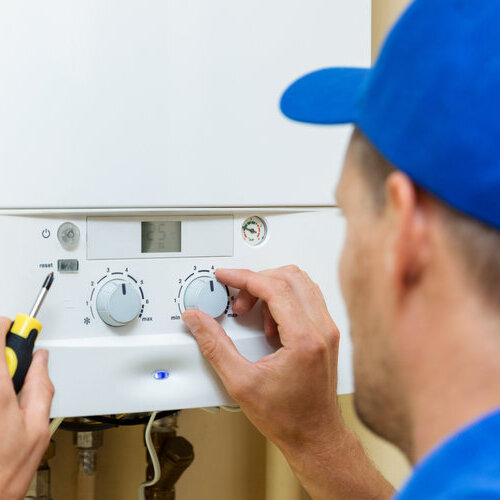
column 254, row 230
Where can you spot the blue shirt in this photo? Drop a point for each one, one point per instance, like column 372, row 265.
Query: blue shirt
column 464, row 467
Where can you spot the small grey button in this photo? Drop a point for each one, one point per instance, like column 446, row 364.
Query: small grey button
column 67, row 265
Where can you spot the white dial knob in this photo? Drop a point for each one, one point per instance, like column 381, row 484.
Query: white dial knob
column 118, row 303
column 206, row 294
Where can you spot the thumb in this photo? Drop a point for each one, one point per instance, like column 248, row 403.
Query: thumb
column 37, row 392
column 217, row 347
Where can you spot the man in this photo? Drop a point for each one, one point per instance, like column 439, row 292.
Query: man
column 420, row 272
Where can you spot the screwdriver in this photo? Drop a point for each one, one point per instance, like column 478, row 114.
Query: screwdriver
column 21, row 338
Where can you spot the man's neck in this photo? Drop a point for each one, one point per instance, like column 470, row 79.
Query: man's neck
column 455, row 380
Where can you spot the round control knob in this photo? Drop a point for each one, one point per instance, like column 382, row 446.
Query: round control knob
column 206, row 294
column 118, row 303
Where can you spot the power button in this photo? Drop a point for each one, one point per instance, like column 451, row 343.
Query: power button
column 68, row 235
column 46, row 233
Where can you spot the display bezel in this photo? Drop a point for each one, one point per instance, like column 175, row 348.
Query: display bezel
column 120, row 237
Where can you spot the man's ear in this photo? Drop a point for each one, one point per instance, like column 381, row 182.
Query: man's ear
column 407, row 214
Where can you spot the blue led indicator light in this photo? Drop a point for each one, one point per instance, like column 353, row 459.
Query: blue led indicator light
column 160, row 375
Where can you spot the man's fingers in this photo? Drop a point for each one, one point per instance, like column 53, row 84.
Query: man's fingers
column 4, row 329
column 270, row 326
column 4, row 326
column 244, row 302
column 287, row 290
column 243, row 279
column 7, row 393
column 306, row 291
column 38, row 391
column 277, row 293
column 217, row 348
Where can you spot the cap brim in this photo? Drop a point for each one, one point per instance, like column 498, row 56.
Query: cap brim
column 326, row 97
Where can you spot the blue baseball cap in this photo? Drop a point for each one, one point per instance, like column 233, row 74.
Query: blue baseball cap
column 430, row 105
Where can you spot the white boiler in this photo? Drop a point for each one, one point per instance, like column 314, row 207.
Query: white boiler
column 142, row 147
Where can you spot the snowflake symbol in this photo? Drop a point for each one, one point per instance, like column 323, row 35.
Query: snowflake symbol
column 87, row 321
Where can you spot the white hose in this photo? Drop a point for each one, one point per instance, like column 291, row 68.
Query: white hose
column 231, row 409
column 54, row 425
column 154, row 458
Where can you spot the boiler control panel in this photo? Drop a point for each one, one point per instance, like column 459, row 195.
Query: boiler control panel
column 112, row 321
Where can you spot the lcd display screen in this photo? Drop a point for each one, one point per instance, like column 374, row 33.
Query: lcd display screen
column 161, row 236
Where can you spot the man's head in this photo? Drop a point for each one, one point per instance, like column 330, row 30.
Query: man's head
column 407, row 256
column 420, row 265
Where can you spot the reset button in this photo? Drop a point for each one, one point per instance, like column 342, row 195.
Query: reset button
column 67, row 265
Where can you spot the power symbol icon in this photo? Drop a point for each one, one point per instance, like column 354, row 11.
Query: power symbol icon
column 46, row 233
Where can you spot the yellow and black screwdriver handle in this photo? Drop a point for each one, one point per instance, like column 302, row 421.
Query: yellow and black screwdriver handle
column 19, row 346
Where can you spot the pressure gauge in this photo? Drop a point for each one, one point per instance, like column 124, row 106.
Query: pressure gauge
column 254, row 230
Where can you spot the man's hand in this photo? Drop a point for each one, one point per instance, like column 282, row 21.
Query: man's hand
column 290, row 395
column 24, row 429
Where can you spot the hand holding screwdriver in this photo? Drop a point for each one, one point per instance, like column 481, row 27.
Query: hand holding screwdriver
column 21, row 338
column 24, row 432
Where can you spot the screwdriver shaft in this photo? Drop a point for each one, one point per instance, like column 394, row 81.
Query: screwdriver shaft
column 41, row 296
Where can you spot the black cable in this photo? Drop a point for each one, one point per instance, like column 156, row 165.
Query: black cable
column 84, row 426
column 129, row 421
column 102, row 423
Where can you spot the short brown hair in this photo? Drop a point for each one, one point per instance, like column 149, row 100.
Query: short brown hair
column 477, row 244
